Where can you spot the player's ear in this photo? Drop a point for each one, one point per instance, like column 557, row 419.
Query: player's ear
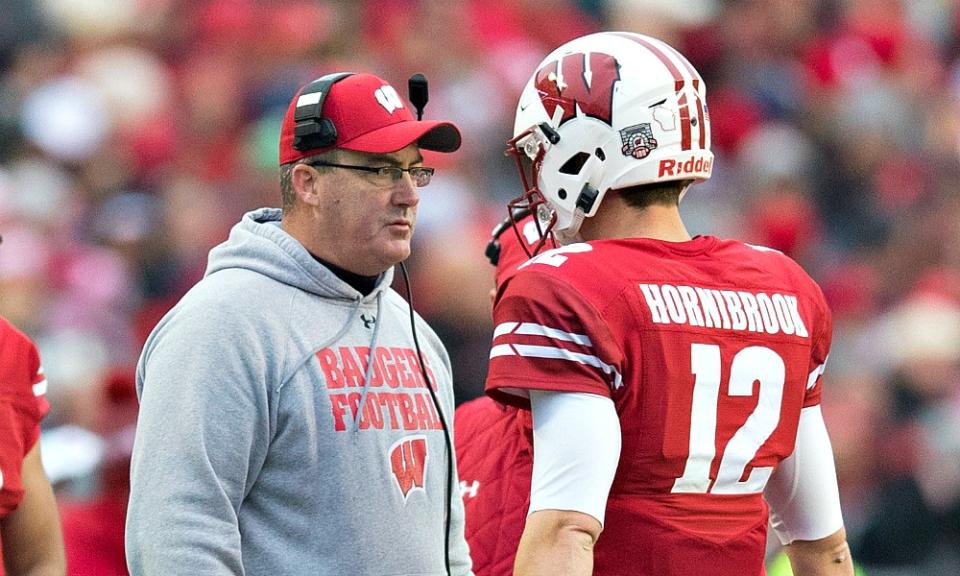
column 306, row 182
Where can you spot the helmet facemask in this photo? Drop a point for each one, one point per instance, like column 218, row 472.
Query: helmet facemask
column 559, row 213
column 528, row 150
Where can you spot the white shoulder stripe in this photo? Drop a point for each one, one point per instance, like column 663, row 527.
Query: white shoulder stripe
column 531, row 329
column 553, row 352
column 501, row 350
column 505, row 328
column 817, row 372
column 540, row 330
column 40, row 388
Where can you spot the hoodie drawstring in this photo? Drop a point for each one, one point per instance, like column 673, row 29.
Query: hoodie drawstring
column 370, row 363
column 336, row 338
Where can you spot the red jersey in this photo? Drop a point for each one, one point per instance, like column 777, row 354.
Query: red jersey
column 22, row 405
column 709, row 350
column 495, row 464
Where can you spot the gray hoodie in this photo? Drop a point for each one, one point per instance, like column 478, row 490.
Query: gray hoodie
column 267, row 441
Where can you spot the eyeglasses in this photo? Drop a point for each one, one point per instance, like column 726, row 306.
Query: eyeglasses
column 386, row 175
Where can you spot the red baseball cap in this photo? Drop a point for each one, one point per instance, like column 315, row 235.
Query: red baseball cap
column 369, row 116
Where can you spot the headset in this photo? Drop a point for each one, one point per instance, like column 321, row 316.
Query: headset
column 419, row 95
column 311, row 130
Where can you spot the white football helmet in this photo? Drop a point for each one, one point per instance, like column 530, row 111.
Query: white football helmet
column 606, row 111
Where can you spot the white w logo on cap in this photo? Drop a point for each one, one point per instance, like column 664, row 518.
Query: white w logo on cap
column 388, row 98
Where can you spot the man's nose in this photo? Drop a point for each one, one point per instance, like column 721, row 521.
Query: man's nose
column 405, row 191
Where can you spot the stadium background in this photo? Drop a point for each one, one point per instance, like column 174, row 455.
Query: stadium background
column 134, row 133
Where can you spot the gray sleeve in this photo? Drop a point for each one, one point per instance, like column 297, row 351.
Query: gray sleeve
column 202, row 436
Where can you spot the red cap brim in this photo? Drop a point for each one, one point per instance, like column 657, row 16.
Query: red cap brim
column 434, row 135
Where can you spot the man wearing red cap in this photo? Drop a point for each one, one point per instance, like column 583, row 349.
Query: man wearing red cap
column 294, row 412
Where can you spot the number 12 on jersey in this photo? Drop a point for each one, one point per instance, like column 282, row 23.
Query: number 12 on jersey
column 754, row 363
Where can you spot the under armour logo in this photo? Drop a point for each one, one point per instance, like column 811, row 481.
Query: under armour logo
column 388, row 98
column 469, row 489
column 368, row 322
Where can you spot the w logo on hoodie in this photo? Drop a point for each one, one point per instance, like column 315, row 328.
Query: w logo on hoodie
column 408, row 460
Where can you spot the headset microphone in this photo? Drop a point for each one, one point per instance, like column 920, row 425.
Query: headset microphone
column 419, row 94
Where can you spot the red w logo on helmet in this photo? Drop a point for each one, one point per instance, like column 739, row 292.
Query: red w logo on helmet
column 584, row 80
column 408, row 459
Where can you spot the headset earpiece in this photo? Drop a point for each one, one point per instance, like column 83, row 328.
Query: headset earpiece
column 311, row 130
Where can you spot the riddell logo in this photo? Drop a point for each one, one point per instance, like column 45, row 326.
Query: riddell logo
column 408, row 460
column 693, row 164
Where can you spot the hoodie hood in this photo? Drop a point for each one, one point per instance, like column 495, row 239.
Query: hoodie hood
column 258, row 243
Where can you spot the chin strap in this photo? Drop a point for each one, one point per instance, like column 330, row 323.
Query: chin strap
column 571, row 235
column 585, row 201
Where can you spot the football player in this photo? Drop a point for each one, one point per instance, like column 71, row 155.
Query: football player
column 674, row 380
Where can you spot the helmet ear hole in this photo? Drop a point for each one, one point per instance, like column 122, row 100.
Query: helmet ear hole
column 599, row 154
column 574, row 164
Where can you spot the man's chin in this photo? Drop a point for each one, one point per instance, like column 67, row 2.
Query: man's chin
column 397, row 252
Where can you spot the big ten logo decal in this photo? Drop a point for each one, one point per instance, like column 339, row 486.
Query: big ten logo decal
column 388, row 98
column 579, row 80
column 408, row 461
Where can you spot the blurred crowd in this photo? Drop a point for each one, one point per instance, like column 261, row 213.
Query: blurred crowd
column 134, row 133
